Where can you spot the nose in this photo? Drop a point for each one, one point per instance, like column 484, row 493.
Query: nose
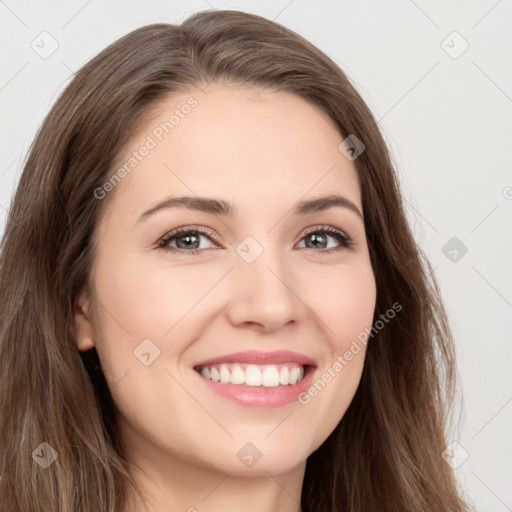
column 264, row 293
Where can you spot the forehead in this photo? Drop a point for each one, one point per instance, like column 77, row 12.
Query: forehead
column 238, row 143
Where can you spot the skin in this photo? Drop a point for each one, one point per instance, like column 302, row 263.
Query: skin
column 264, row 151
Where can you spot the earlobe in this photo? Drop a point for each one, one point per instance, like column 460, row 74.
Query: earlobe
column 83, row 323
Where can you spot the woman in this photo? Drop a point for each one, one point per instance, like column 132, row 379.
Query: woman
column 212, row 299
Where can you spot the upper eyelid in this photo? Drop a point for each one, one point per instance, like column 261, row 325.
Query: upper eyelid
column 324, row 227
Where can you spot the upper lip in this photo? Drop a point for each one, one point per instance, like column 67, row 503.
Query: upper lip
column 259, row 357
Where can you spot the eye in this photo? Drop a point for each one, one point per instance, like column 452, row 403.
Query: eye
column 318, row 237
column 185, row 238
column 180, row 240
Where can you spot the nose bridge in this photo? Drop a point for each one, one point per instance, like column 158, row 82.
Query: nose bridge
column 263, row 293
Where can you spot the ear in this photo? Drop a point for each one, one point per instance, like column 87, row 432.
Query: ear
column 83, row 322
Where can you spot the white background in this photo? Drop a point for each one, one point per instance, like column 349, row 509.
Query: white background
column 447, row 120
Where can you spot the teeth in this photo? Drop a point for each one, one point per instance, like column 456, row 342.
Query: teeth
column 270, row 377
column 295, row 375
column 237, row 375
column 254, row 375
column 225, row 376
column 284, row 375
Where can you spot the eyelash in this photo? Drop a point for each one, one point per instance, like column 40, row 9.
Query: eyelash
column 339, row 235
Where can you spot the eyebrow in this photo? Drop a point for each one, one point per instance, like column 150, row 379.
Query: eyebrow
column 226, row 208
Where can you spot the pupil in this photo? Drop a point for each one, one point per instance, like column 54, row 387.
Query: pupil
column 316, row 238
column 188, row 242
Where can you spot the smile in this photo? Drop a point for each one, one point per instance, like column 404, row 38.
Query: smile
column 253, row 375
column 256, row 378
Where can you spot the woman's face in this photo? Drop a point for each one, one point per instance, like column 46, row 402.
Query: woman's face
column 263, row 288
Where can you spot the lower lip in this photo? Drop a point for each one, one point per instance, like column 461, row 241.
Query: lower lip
column 259, row 396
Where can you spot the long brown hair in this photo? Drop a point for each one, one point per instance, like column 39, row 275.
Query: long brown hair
column 384, row 455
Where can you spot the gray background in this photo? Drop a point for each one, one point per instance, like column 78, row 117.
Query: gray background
column 445, row 112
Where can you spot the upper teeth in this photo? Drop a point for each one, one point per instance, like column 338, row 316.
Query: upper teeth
column 254, row 375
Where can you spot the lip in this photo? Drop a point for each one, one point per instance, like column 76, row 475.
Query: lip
column 259, row 357
column 259, row 396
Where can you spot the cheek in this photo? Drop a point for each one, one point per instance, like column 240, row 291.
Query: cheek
column 344, row 302
column 149, row 301
column 137, row 301
column 343, row 299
